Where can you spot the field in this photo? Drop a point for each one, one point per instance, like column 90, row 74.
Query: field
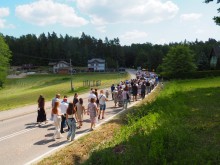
column 178, row 125
column 25, row 91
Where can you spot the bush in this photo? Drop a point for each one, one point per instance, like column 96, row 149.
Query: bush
column 194, row 75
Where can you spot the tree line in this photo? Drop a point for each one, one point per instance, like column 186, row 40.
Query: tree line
column 39, row 51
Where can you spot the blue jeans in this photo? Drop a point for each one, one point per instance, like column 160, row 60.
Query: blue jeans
column 125, row 103
column 72, row 131
column 102, row 107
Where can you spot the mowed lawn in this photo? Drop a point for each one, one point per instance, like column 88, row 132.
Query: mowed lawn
column 182, row 126
column 25, row 91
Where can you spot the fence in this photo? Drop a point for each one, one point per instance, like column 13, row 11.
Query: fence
column 91, row 83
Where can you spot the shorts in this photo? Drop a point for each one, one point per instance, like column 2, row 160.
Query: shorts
column 102, row 107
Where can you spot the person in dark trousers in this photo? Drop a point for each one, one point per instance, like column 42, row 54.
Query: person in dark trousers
column 134, row 91
column 75, row 98
column 143, row 90
column 112, row 89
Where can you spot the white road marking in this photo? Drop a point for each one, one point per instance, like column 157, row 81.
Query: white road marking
column 16, row 133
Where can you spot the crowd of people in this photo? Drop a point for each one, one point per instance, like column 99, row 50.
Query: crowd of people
column 70, row 114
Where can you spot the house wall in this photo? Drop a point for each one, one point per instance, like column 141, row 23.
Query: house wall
column 97, row 66
column 58, row 66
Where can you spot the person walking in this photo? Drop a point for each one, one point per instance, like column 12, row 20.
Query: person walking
column 106, row 93
column 57, row 120
column 80, row 111
column 92, row 112
column 143, row 90
column 55, row 99
column 112, row 89
column 71, row 120
column 75, row 98
column 91, row 95
column 41, row 117
column 63, row 106
column 97, row 99
column 135, row 91
column 120, row 97
column 115, row 96
column 102, row 104
column 126, row 97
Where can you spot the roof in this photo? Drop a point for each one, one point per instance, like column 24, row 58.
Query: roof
column 96, row 59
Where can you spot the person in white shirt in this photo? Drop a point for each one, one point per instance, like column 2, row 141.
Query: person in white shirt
column 63, row 106
column 102, row 102
column 91, row 95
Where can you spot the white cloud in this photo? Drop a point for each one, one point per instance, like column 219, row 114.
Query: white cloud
column 146, row 11
column 97, row 20
column 48, row 12
column 199, row 31
column 101, row 29
column 4, row 12
column 190, row 17
column 2, row 23
column 134, row 35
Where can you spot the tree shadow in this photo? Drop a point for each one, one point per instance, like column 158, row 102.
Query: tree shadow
column 185, row 120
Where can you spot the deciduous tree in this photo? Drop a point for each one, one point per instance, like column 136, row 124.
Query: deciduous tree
column 5, row 55
column 179, row 60
column 216, row 18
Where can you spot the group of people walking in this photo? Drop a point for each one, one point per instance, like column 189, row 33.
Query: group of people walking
column 63, row 113
column 71, row 113
column 134, row 89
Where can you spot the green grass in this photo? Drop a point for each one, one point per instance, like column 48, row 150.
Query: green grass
column 25, row 91
column 182, row 126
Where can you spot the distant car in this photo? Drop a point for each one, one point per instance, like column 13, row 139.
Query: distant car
column 121, row 70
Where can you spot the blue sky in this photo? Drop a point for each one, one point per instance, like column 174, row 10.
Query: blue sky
column 132, row 21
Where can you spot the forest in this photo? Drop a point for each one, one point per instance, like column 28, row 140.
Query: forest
column 42, row 49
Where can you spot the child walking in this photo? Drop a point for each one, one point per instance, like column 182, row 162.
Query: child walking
column 92, row 112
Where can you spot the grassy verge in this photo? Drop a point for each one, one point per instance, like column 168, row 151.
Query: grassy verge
column 25, row 91
column 180, row 127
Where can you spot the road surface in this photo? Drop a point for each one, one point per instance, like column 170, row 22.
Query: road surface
column 22, row 142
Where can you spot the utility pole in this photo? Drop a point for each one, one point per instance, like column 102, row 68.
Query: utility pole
column 71, row 74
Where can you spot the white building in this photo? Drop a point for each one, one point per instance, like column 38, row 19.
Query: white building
column 62, row 67
column 96, row 64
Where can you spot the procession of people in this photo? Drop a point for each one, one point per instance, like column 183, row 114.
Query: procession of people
column 70, row 114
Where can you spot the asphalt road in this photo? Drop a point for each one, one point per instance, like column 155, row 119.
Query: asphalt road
column 22, row 142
